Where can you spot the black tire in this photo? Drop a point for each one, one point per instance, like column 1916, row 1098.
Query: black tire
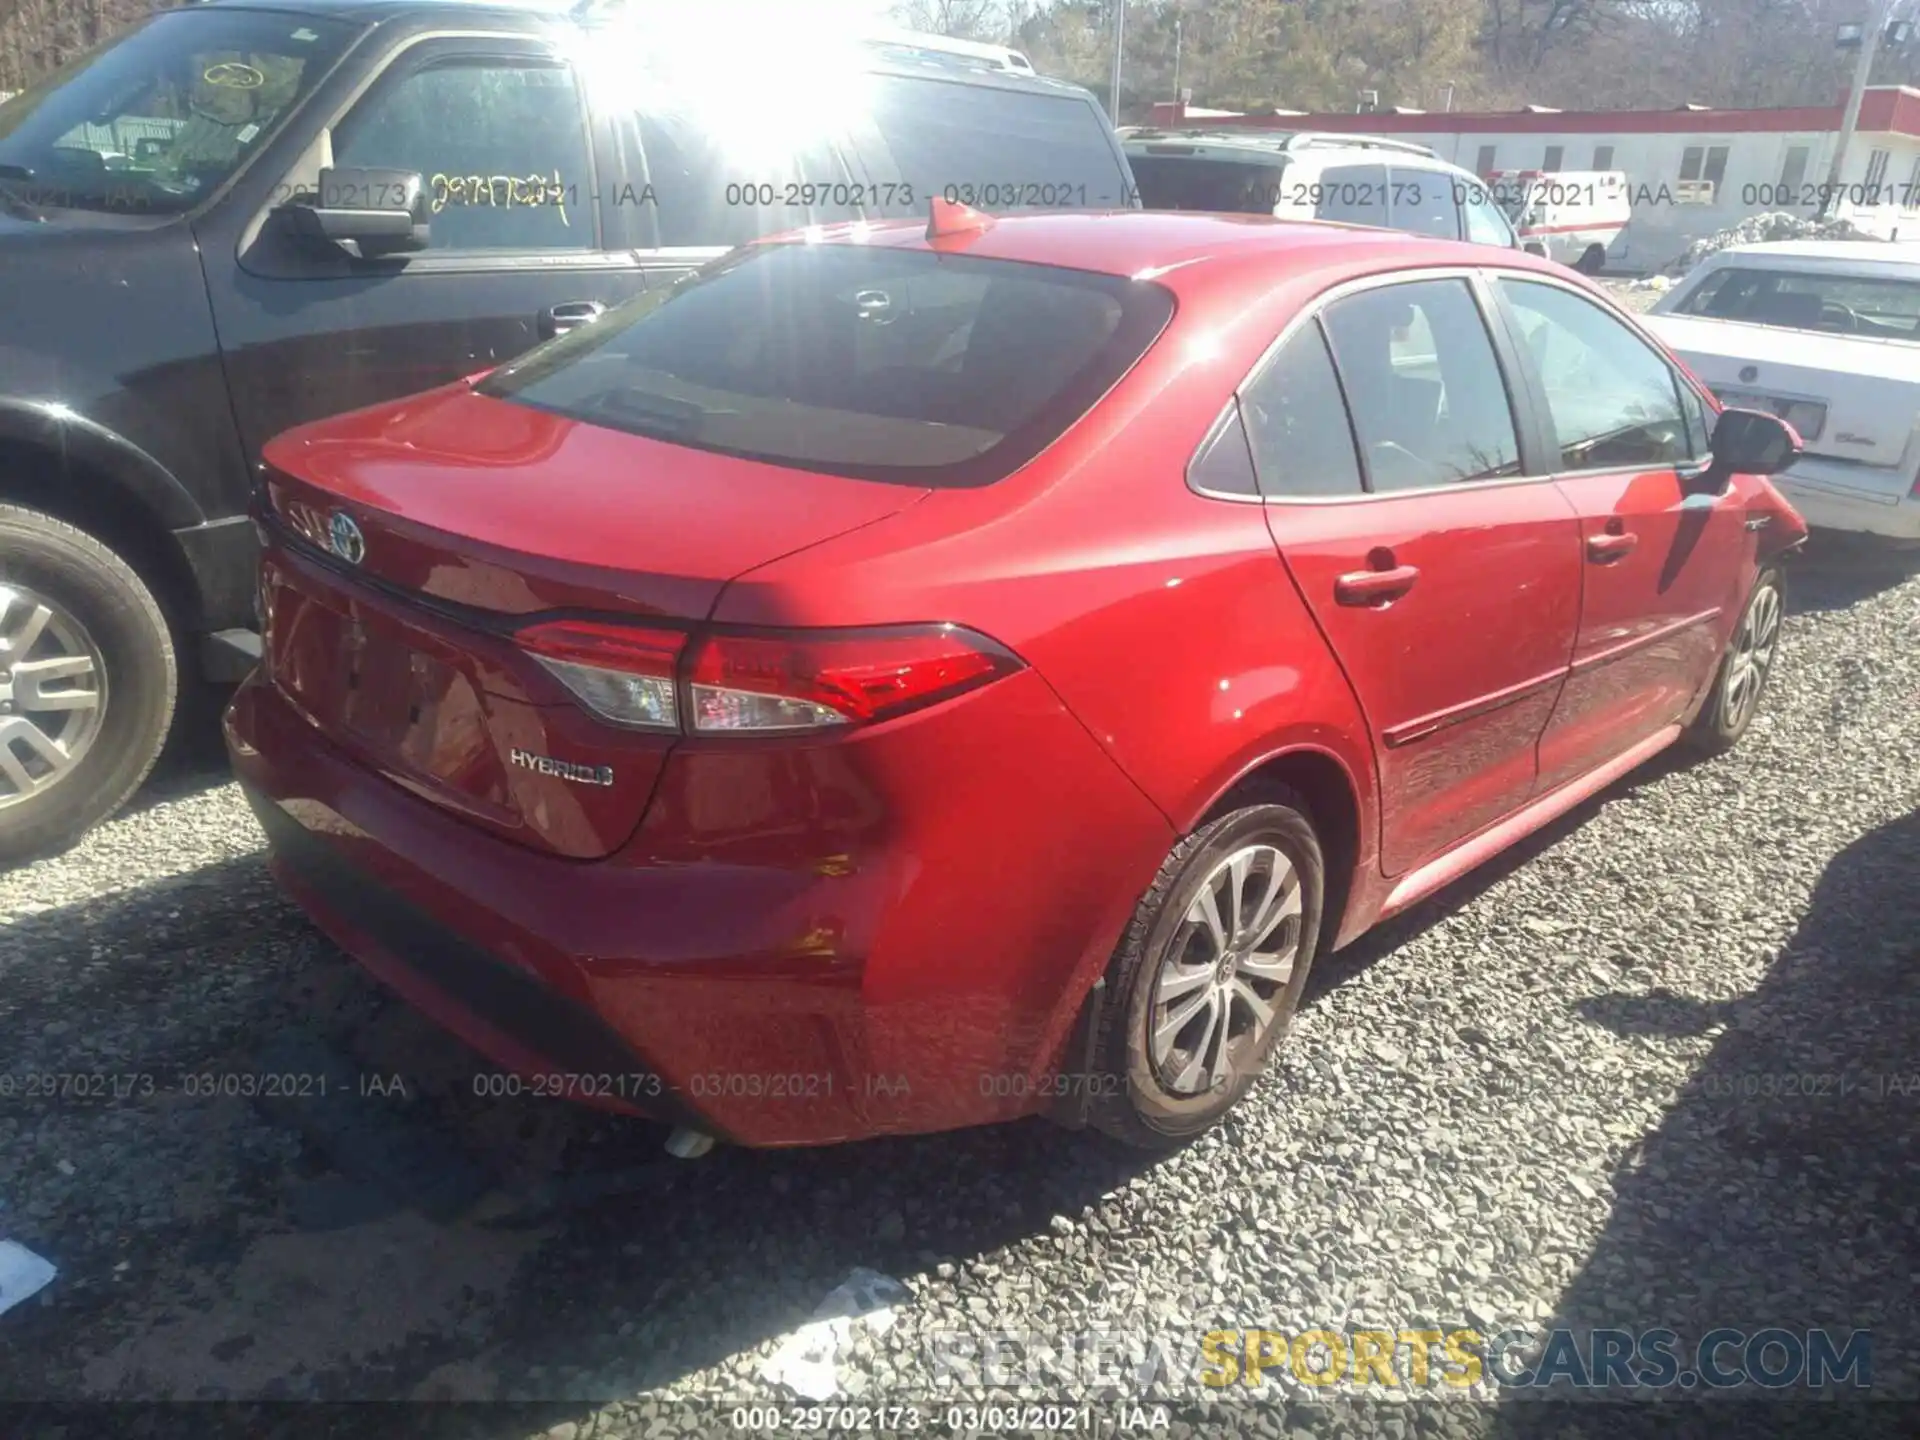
column 1592, row 260
column 119, row 617
column 1133, row 1101
column 1726, row 713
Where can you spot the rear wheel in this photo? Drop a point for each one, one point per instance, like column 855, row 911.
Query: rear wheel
column 87, row 683
column 1744, row 669
column 1209, row 974
column 1592, row 260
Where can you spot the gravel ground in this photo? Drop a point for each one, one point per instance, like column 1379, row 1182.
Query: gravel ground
column 1659, row 1067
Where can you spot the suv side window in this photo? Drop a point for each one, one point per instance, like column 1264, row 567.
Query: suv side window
column 1430, row 405
column 702, row 196
column 1423, row 203
column 1356, row 194
column 1614, row 402
column 1296, row 421
column 1486, row 225
column 501, row 143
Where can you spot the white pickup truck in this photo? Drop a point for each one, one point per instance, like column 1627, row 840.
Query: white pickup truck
column 1826, row 335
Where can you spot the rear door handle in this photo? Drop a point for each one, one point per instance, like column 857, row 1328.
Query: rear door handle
column 1375, row 587
column 1603, row 548
column 569, row 315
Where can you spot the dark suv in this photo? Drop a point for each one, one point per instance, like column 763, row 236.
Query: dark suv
column 235, row 217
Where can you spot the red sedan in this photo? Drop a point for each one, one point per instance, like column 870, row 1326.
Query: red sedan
column 915, row 676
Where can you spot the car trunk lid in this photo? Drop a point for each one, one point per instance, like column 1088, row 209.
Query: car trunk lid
column 421, row 536
column 1865, row 393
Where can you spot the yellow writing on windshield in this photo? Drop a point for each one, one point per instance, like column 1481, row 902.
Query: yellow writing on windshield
column 504, row 191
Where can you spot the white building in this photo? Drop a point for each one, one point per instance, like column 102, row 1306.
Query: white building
column 1691, row 171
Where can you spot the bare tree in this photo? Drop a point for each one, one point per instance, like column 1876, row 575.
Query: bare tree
column 964, row 19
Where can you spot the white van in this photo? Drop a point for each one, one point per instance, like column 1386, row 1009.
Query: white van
column 1572, row 216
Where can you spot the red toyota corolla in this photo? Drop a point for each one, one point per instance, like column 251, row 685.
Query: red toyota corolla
column 914, row 676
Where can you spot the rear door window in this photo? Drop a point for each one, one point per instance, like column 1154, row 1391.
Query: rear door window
column 1296, row 421
column 1429, row 402
column 856, row 360
column 997, row 149
column 1353, row 194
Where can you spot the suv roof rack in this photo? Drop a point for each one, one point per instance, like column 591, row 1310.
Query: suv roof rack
column 1332, row 139
column 1279, row 140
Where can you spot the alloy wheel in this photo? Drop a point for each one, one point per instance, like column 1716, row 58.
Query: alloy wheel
column 1752, row 655
column 53, row 694
column 1225, row 968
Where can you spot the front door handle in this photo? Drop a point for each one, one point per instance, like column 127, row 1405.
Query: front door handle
column 1612, row 546
column 1375, row 587
column 569, row 315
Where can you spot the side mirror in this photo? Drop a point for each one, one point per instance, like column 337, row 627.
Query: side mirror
column 366, row 213
column 1752, row 442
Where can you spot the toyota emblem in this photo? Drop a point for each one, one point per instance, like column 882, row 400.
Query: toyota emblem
column 1749, row 374
column 344, row 538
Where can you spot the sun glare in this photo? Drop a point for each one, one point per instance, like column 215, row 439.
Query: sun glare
column 764, row 80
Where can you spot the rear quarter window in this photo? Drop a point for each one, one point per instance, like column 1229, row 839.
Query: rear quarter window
column 856, row 360
column 1205, row 182
column 999, row 149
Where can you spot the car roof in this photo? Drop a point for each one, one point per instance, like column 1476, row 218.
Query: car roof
column 1269, row 147
column 1154, row 244
column 882, row 55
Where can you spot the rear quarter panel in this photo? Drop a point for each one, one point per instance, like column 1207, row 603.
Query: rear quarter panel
column 1164, row 620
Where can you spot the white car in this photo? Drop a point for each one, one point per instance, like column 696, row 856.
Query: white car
column 1826, row 335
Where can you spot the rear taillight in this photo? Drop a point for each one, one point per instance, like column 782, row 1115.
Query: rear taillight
column 622, row 674
column 741, row 682
column 857, row 677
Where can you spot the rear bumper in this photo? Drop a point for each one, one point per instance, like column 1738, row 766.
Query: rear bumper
column 922, row 977
column 1833, row 497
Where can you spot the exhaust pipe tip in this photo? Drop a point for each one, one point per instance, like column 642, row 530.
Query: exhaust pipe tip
column 686, row 1143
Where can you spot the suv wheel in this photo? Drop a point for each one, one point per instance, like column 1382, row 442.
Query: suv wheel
column 1735, row 697
column 87, row 683
column 1209, row 974
column 1592, row 260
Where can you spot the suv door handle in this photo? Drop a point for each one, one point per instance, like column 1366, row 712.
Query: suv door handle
column 569, row 315
column 1603, row 548
column 1375, row 587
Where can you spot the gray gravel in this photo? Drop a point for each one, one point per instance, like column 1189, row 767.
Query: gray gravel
column 1651, row 1070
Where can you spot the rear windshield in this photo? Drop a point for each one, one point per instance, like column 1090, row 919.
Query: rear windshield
column 1836, row 304
column 879, row 364
column 1199, row 182
column 157, row 119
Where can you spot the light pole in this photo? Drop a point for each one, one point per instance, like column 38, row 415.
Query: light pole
column 1119, row 49
column 1176, row 57
column 1862, row 70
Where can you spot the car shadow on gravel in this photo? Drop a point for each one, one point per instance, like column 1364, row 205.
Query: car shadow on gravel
column 1839, row 571
column 1780, row 1189
column 219, row 1242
